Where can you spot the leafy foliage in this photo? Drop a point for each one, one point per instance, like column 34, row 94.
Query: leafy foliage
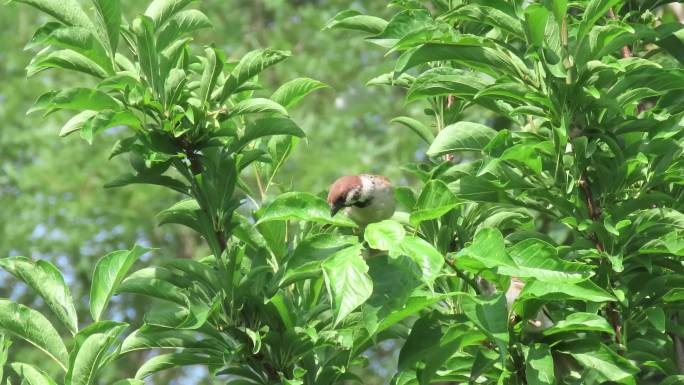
column 541, row 249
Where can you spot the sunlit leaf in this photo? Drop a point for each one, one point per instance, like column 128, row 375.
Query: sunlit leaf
column 109, row 272
column 43, row 277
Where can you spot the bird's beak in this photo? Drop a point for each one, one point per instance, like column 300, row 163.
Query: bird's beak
column 334, row 209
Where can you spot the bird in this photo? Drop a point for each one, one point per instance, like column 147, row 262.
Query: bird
column 365, row 198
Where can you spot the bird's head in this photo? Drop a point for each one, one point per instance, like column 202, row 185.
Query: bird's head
column 345, row 192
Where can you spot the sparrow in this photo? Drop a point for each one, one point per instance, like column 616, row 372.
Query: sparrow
column 366, row 198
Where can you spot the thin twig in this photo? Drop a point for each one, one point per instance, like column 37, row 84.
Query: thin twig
column 595, row 215
column 678, row 346
column 626, row 52
column 471, row 282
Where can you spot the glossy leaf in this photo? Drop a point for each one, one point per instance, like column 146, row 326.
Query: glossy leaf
column 354, row 20
column 33, row 327
column 256, row 105
column 423, row 131
column 249, row 66
column 32, row 375
column 602, row 360
column 585, row 290
column 162, row 10
column 68, row 12
column 346, row 276
column 108, row 20
column 292, row 92
column 385, row 235
column 89, row 352
column 174, row 360
column 109, row 272
column 434, row 201
column 181, row 24
column 581, row 322
column 301, row 206
column 43, row 277
column 461, row 136
column 539, row 260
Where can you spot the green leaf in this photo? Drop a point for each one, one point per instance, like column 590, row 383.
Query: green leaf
column 182, row 24
column 585, row 290
column 491, row 316
column 256, row 105
column 486, row 252
column 47, row 281
column 109, row 272
column 490, row 15
column 424, row 255
column 129, row 381
column 188, row 213
column 33, row 327
column 525, row 155
column 151, row 337
column 174, row 360
column 82, row 41
column 77, row 99
column 89, row 352
column 5, row 344
column 212, row 69
column 156, row 179
column 108, row 19
column 539, row 368
column 537, row 259
column 602, row 360
column 595, row 10
column 68, row 12
column 268, row 127
column 469, row 51
column 31, row 375
column 536, row 17
column 385, row 235
column 143, row 30
column 354, row 20
column 64, row 59
column 76, row 122
column 581, row 322
column 442, row 81
column 301, row 206
column 423, row 131
column 249, row 66
column 435, row 200
column 558, row 7
column 162, row 10
column 347, row 280
column 106, row 119
column 295, row 90
column 425, row 335
column 461, row 136
column 674, row 295
column 150, row 282
column 656, row 316
column 174, row 84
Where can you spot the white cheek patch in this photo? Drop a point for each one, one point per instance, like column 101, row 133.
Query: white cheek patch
column 366, row 188
column 351, row 197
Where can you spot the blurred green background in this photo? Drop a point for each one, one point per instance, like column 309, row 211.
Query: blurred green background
column 53, row 205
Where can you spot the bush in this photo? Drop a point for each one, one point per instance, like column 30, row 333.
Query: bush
column 544, row 247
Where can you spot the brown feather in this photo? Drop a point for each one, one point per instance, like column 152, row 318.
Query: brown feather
column 342, row 186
